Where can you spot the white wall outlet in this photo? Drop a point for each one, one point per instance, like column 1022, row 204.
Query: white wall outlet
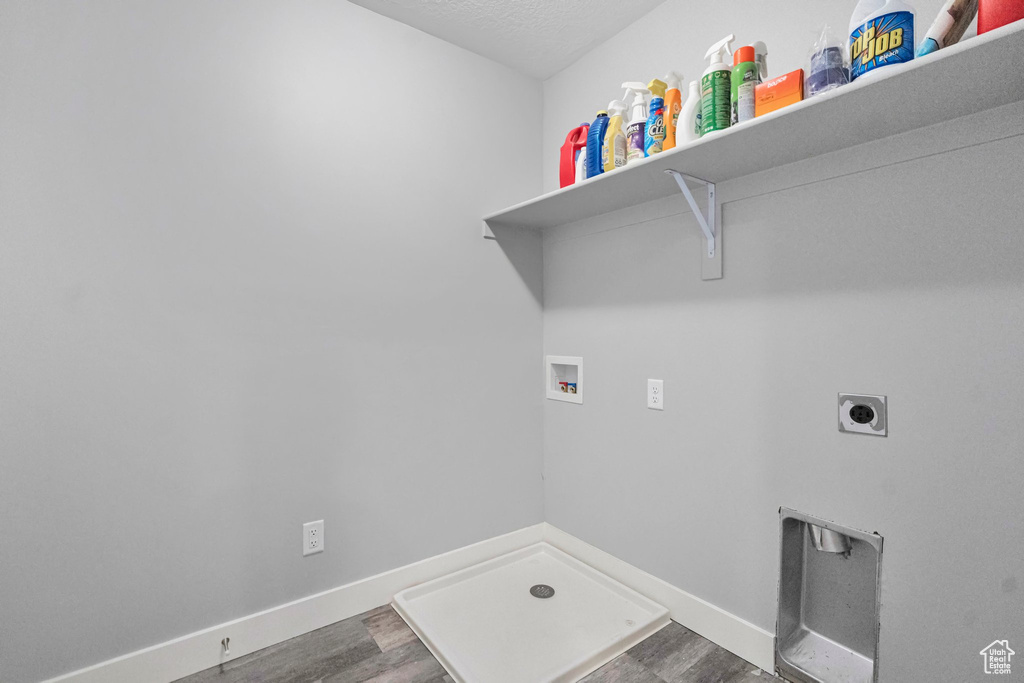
column 656, row 394
column 312, row 537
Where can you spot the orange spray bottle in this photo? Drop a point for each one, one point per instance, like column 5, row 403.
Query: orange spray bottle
column 673, row 105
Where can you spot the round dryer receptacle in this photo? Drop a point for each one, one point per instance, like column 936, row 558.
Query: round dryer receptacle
column 862, row 414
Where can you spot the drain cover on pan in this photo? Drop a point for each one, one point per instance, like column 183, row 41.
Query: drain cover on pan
column 542, row 591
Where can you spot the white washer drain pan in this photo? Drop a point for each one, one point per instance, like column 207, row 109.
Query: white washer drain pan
column 484, row 625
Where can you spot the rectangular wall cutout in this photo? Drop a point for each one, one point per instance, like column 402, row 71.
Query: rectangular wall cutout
column 564, row 378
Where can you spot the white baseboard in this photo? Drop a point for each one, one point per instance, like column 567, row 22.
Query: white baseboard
column 736, row 635
column 201, row 650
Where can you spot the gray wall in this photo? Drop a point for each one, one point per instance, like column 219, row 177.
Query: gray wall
column 242, row 287
column 925, row 305
column 209, row 337
column 847, row 273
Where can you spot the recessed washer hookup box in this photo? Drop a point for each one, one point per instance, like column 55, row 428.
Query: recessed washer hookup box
column 829, row 601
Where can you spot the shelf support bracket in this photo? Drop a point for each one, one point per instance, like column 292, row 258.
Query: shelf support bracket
column 711, row 268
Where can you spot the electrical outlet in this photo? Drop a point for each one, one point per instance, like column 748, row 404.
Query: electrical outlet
column 863, row 414
column 312, row 537
column 656, row 394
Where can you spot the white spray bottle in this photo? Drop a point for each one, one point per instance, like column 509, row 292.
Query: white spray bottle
column 637, row 121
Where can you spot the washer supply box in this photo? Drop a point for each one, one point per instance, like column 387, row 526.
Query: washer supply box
column 779, row 92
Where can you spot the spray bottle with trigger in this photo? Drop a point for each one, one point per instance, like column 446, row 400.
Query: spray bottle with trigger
column 637, row 122
column 673, row 107
column 761, row 57
column 613, row 151
column 715, row 87
column 654, row 133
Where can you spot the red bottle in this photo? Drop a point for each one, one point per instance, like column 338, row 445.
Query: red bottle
column 995, row 13
column 575, row 141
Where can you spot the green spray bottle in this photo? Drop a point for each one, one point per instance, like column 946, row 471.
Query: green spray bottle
column 745, row 77
column 715, row 90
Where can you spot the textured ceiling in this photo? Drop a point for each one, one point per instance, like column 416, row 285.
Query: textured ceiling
column 536, row 37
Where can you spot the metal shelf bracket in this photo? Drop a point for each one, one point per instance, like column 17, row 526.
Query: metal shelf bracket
column 707, row 225
column 711, row 267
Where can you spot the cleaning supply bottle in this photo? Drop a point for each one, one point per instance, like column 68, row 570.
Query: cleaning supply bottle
column 637, row 122
column 595, row 140
column 654, row 132
column 949, row 27
column 995, row 13
column 569, row 154
column 673, row 107
column 715, row 97
column 613, row 151
column 761, row 57
column 881, row 34
column 689, row 118
column 581, row 166
column 743, row 79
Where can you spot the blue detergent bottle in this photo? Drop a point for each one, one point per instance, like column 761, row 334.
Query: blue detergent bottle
column 595, row 140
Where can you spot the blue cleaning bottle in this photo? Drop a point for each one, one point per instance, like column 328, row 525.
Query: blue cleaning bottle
column 654, row 132
column 595, row 140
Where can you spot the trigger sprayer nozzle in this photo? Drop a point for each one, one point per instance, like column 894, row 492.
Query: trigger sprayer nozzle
column 719, row 48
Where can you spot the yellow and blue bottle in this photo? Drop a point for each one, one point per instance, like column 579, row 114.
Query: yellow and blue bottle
column 654, row 131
